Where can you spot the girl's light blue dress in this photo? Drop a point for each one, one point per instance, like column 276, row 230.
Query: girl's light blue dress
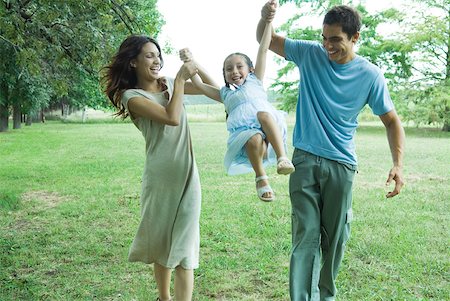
column 242, row 105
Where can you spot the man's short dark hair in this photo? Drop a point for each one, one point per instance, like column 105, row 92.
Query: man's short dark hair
column 345, row 16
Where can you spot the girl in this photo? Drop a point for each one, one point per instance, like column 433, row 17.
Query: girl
column 256, row 129
column 168, row 234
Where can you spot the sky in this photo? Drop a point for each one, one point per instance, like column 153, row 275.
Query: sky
column 212, row 29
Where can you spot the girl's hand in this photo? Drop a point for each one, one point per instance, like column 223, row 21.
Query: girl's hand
column 185, row 55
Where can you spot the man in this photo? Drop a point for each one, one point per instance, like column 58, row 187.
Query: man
column 335, row 85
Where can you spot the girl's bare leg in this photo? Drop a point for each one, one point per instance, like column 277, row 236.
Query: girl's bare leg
column 273, row 133
column 256, row 148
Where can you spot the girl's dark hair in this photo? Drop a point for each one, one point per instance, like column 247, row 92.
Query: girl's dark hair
column 248, row 61
column 345, row 16
column 119, row 75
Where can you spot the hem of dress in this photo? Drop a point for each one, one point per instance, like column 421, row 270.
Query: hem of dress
column 165, row 264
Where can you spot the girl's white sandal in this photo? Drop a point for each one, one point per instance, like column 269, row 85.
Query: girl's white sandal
column 264, row 189
column 284, row 166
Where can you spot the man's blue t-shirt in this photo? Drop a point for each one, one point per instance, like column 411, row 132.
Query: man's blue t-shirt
column 331, row 96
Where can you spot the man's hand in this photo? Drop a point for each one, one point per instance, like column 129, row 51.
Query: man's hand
column 268, row 11
column 185, row 55
column 395, row 174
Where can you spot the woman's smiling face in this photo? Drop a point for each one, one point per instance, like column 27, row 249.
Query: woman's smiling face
column 148, row 63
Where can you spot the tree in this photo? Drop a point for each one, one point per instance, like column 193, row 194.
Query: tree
column 427, row 37
column 56, row 48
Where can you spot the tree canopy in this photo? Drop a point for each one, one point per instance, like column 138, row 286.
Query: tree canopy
column 52, row 50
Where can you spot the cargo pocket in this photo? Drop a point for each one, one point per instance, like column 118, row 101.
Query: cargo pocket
column 348, row 220
column 324, row 240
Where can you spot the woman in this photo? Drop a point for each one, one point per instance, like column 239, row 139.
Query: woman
column 168, row 234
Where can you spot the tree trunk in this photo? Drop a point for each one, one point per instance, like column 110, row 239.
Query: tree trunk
column 446, row 127
column 84, row 115
column 65, row 111
column 42, row 116
column 17, row 117
column 4, row 116
column 28, row 119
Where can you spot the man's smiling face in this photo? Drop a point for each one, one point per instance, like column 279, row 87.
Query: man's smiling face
column 338, row 44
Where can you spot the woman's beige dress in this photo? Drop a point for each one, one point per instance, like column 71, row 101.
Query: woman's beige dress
column 168, row 232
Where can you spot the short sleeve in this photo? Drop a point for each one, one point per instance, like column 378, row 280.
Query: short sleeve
column 223, row 92
column 254, row 80
column 379, row 98
column 295, row 49
column 127, row 95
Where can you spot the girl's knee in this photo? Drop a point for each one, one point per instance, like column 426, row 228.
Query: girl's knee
column 254, row 141
column 263, row 117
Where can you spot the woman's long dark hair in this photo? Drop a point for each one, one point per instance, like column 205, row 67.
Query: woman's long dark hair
column 119, row 75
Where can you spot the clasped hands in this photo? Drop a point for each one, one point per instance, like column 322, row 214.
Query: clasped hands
column 189, row 67
column 268, row 10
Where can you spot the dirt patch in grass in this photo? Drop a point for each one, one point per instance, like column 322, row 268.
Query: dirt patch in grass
column 44, row 199
column 414, row 178
column 33, row 203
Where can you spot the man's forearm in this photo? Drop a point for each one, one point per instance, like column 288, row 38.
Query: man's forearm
column 396, row 139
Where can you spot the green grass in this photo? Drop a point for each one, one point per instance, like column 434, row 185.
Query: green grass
column 69, row 208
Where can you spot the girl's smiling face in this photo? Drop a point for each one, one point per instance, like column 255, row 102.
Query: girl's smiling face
column 236, row 70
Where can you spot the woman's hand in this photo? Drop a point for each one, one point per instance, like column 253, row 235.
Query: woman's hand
column 187, row 70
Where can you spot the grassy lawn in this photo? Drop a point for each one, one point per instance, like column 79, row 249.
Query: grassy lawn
column 69, row 208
